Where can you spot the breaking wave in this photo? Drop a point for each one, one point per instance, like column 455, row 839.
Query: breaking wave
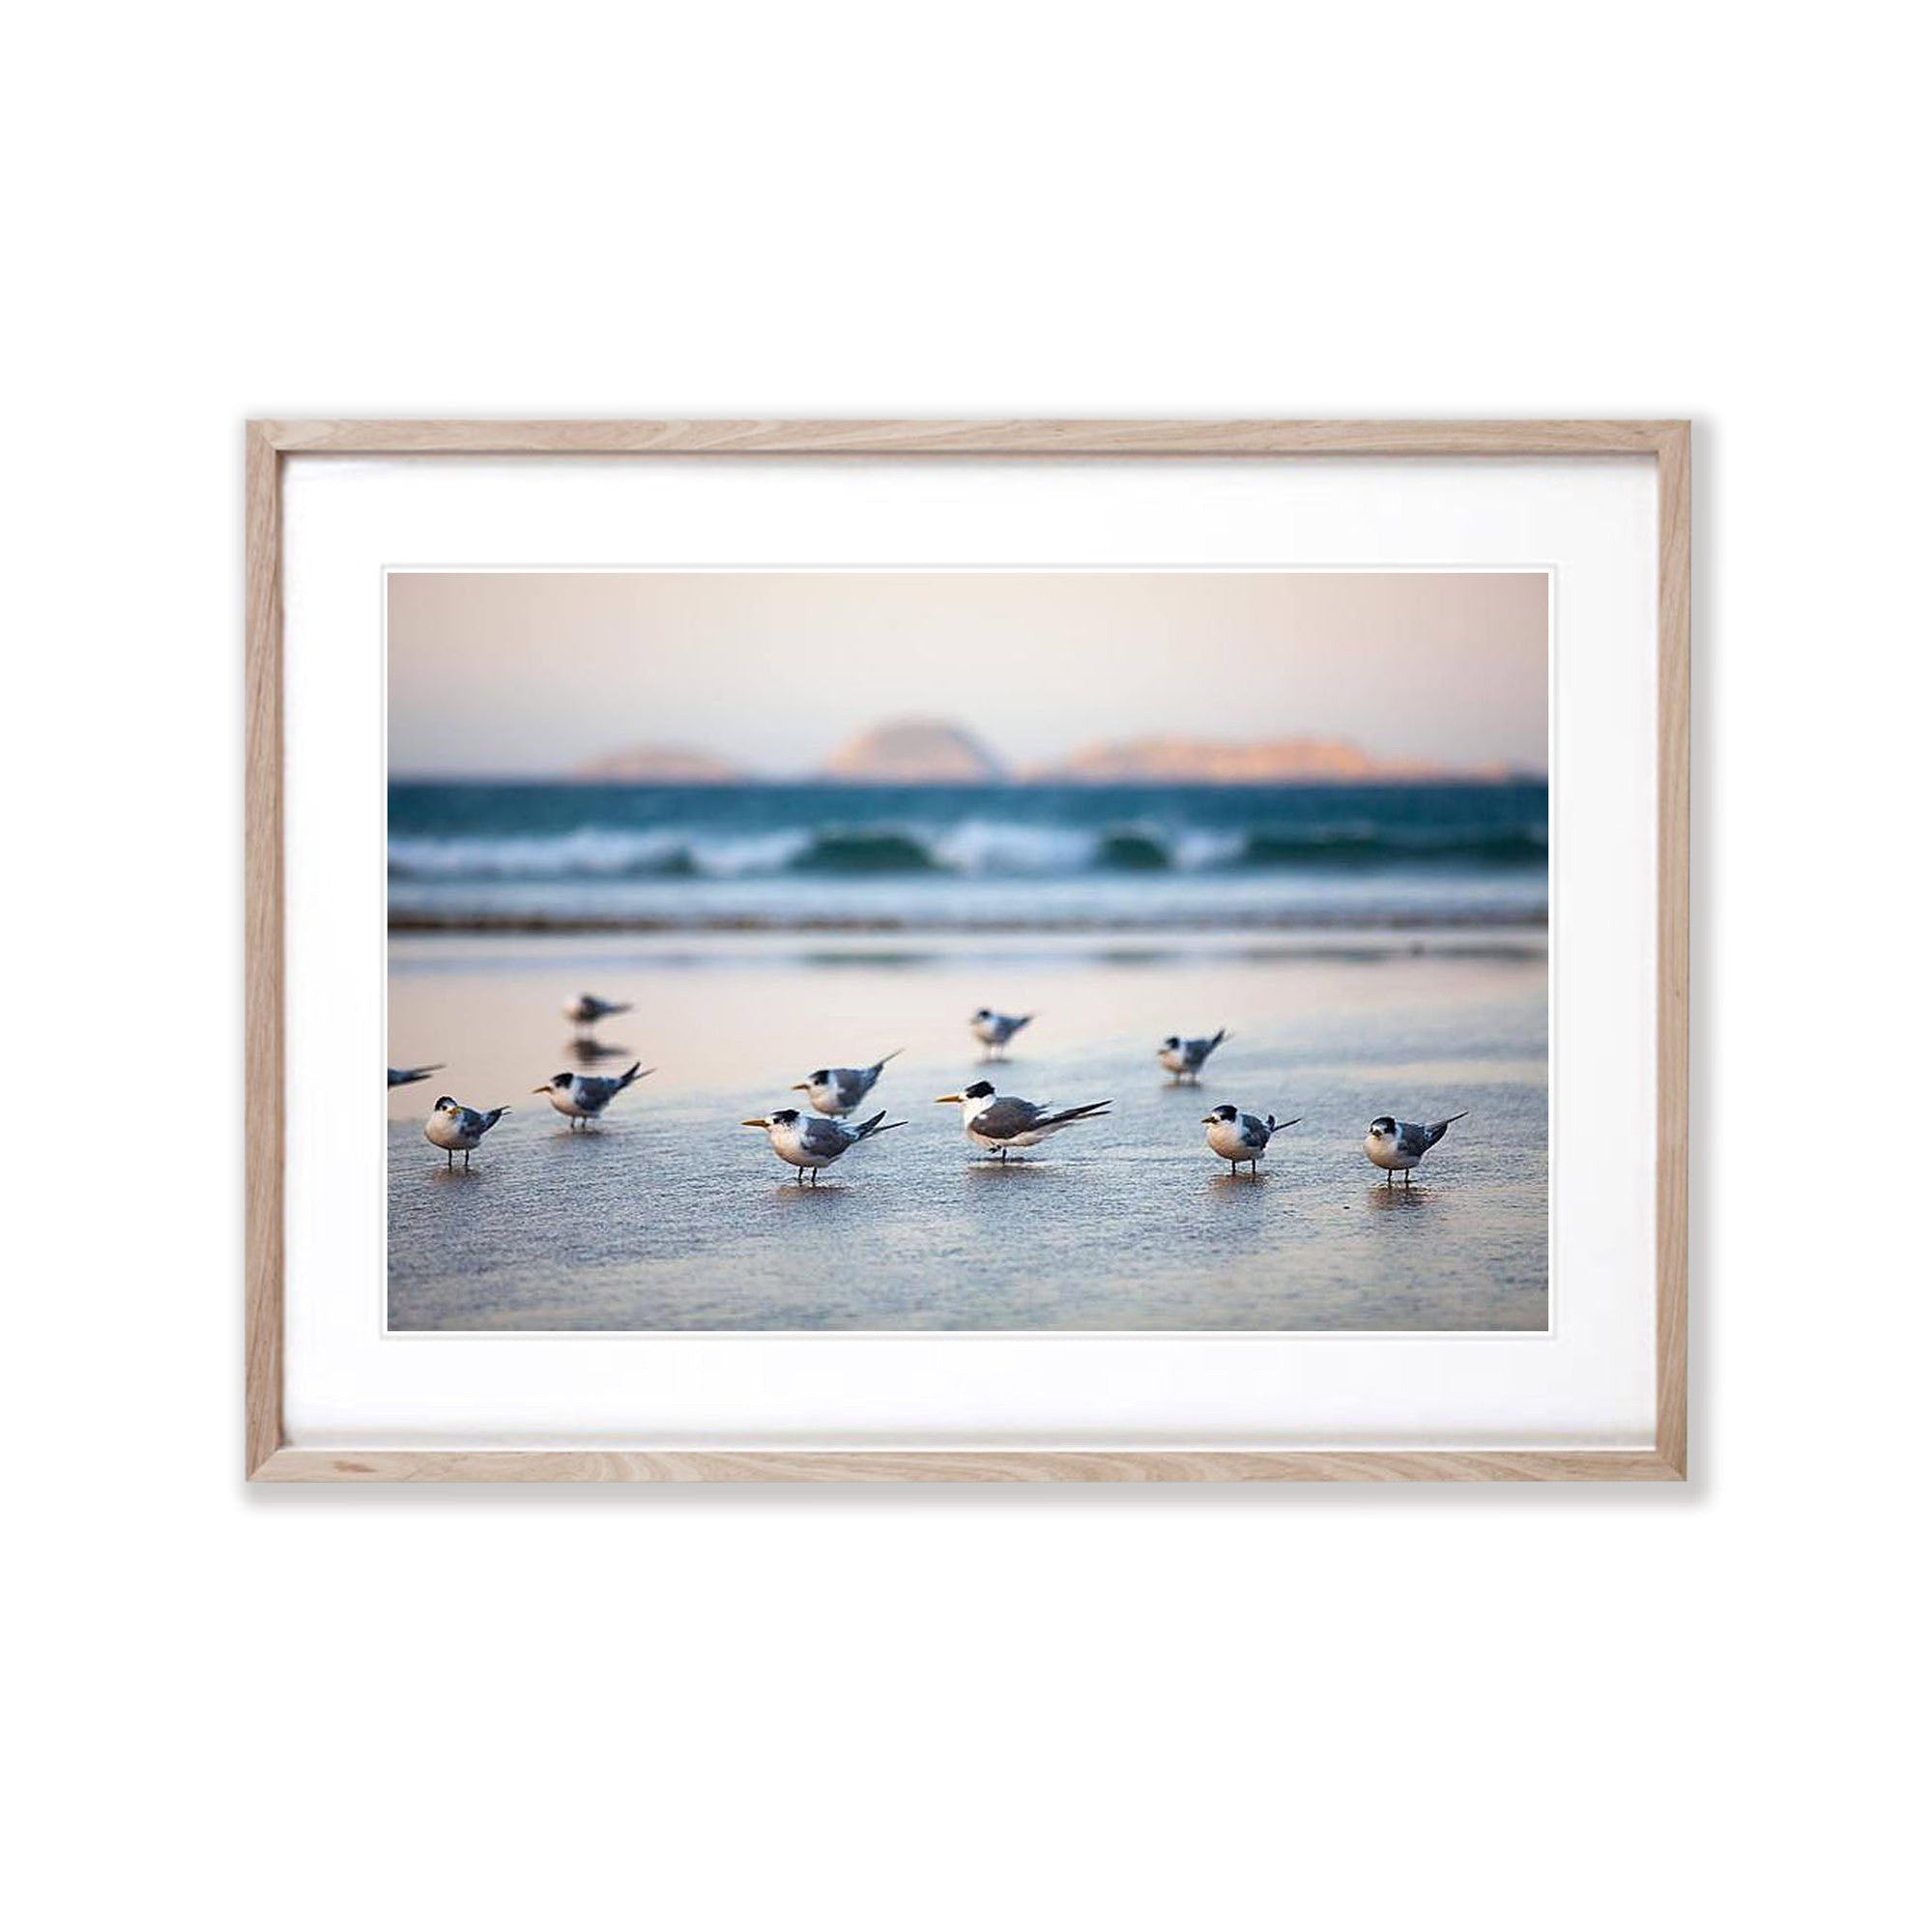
column 973, row 848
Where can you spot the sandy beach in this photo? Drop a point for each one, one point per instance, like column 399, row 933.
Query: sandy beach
column 671, row 1215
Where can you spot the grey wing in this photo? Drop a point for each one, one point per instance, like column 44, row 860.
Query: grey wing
column 1413, row 1140
column 595, row 1089
column 469, row 1121
column 849, row 1084
column 824, row 1136
column 1005, row 1118
column 1254, row 1131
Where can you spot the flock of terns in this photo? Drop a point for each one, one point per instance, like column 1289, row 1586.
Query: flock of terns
column 996, row 1123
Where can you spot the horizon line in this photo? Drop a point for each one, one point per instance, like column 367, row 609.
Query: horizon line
column 1010, row 782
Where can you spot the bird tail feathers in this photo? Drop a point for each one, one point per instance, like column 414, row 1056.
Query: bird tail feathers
column 1437, row 1129
column 868, row 1128
column 1071, row 1113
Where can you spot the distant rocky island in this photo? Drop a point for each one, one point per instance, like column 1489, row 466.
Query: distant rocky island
column 659, row 765
column 927, row 751
column 930, row 751
column 914, row 751
column 1295, row 760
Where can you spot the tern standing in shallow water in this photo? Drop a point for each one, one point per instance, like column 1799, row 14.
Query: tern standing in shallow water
column 1238, row 1136
column 457, row 1129
column 1399, row 1145
column 813, row 1145
column 582, row 1097
column 994, row 1029
column 1000, row 1124
column 586, row 1009
column 1185, row 1059
column 837, row 1090
column 405, row 1076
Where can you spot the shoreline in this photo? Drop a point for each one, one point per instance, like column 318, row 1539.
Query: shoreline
column 731, row 922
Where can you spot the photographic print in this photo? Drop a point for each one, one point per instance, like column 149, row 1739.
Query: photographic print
column 1085, row 950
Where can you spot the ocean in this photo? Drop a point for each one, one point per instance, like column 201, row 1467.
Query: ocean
column 826, row 857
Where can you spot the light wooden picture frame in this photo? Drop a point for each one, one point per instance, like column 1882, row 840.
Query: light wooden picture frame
column 269, row 1456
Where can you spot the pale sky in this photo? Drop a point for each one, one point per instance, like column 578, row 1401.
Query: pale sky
column 530, row 673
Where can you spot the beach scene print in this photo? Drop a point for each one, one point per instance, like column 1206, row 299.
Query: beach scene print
column 966, row 950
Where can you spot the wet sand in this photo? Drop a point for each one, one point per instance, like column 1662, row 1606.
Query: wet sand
column 671, row 1215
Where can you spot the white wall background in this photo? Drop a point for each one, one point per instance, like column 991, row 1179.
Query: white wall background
column 906, row 1708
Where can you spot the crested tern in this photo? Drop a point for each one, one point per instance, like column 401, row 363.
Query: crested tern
column 1238, row 1136
column 837, row 1090
column 811, row 1145
column 999, row 1123
column 1185, row 1059
column 457, row 1129
column 586, row 1009
column 1399, row 1145
column 404, row 1076
column 994, row 1029
column 585, row 1096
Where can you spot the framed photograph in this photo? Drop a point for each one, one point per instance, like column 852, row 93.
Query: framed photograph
column 949, row 951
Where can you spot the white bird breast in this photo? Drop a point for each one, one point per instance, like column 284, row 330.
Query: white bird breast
column 445, row 1130
column 1225, row 1139
column 1388, row 1153
column 840, row 1095
column 787, row 1144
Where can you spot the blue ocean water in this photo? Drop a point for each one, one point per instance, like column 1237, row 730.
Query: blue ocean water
column 826, row 856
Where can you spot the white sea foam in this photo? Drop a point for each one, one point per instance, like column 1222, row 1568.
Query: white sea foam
column 993, row 846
